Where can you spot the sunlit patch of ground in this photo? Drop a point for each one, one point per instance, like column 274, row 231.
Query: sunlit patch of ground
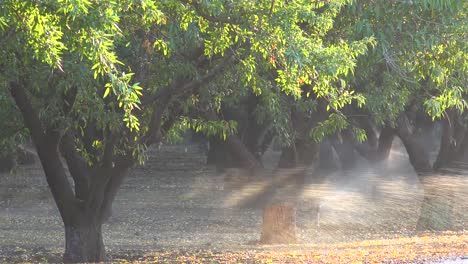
column 185, row 214
column 447, row 247
column 425, row 248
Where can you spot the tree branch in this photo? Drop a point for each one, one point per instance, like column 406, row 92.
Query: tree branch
column 46, row 145
column 77, row 166
column 176, row 89
column 108, row 155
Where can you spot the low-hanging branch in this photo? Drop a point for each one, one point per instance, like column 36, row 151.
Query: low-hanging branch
column 177, row 88
column 46, row 142
column 77, row 166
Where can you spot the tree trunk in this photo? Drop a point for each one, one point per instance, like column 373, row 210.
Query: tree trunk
column 218, row 155
column 385, row 143
column 452, row 141
column 279, row 224
column 376, row 150
column 437, row 207
column 344, row 147
column 327, row 159
column 418, row 156
column 83, row 242
column 279, row 217
column 110, row 194
column 82, row 211
column 288, row 158
column 241, row 154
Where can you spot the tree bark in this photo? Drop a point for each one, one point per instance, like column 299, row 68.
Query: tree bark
column 279, row 216
column 279, row 224
column 81, row 210
column 327, row 159
column 241, row 153
column 110, row 193
column 46, row 141
column 452, row 141
column 385, row 143
column 236, row 153
column 288, row 158
column 418, row 156
column 377, row 150
column 344, row 147
column 217, row 154
column 83, row 241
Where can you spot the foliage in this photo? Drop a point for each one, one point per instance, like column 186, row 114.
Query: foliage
column 13, row 132
column 105, row 79
column 420, row 58
column 280, row 48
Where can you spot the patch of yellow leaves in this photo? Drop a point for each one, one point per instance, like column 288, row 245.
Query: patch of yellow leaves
column 399, row 250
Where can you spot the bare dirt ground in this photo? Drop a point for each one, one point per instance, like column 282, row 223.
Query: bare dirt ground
column 175, row 203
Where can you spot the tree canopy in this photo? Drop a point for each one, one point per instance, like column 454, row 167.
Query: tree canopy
column 96, row 82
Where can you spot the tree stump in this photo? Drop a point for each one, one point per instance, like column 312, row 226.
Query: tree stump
column 279, row 223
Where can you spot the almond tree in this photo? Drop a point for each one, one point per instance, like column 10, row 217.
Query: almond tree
column 415, row 77
column 96, row 82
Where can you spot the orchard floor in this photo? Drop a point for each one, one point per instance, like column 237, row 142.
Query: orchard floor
column 175, row 209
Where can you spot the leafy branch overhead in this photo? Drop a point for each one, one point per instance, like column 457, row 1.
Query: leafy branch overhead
column 95, row 83
column 336, row 51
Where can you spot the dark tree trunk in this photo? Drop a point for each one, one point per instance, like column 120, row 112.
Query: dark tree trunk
column 81, row 210
column 232, row 153
column 462, row 150
column 327, row 159
column 110, row 192
column 241, row 155
column 437, row 206
column 288, row 158
column 307, row 152
column 376, row 149
column 369, row 128
column 385, row 143
column 240, row 151
column 418, row 156
column 83, row 241
column 447, row 148
column 302, row 154
column 279, row 216
column 217, row 154
column 344, row 147
column 453, row 141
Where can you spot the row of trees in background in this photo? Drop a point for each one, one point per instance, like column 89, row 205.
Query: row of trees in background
column 97, row 82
